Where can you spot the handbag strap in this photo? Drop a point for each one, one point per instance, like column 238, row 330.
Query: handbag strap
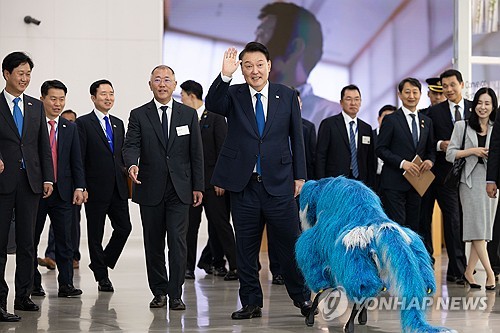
column 463, row 139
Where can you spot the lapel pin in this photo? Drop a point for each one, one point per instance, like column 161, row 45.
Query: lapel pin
column 29, row 103
column 114, row 126
column 277, row 96
column 64, row 125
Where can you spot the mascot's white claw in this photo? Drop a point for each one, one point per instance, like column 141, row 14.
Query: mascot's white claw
column 349, row 242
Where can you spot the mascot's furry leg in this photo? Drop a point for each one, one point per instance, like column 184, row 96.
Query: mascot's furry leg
column 350, row 242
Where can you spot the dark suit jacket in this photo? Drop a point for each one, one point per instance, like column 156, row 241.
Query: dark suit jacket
column 213, row 129
column 309, row 131
column 395, row 144
column 33, row 147
column 70, row 173
column 103, row 169
column 443, row 127
column 493, row 169
column 333, row 153
column 181, row 157
column 281, row 146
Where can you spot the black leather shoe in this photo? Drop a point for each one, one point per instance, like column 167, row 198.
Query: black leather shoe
column 247, row 312
column 305, row 307
column 220, row 271
column 176, row 304
column 159, row 301
column 189, row 274
column 25, row 304
column 38, row 291
column 105, row 285
column 8, row 317
column 231, row 275
column 278, row 280
column 206, row 267
column 68, row 291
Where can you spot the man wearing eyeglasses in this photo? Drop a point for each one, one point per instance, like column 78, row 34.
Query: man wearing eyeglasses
column 163, row 153
column 345, row 143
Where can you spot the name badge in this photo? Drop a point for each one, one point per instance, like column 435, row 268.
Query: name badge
column 182, row 130
column 365, row 140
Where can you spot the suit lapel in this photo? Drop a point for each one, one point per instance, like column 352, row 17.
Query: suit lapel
column 246, row 104
column 30, row 117
column 7, row 114
column 62, row 132
column 174, row 122
column 154, row 118
column 117, row 133
column 423, row 131
column 97, row 127
column 203, row 120
column 468, row 108
column 404, row 125
column 472, row 134
column 339, row 122
column 272, row 106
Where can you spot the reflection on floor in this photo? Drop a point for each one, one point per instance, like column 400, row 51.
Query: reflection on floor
column 210, row 301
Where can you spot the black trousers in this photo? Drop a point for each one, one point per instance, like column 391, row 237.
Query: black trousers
column 25, row 203
column 449, row 203
column 252, row 208
column 96, row 211
column 168, row 219
column 494, row 245
column 50, row 251
column 60, row 213
column 220, row 231
column 403, row 207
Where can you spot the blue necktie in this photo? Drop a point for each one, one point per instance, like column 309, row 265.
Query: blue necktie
column 261, row 122
column 18, row 116
column 354, row 154
column 164, row 122
column 109, row 133
column 414, row 132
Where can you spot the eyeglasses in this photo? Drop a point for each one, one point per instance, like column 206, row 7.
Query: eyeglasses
column 166, row 80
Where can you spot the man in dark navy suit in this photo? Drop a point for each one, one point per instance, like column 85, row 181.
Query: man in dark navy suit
column 345, row 142
column 101, row 141
column 213, row 129
column 26, row 174
column 69, row 188
column 404, row 134
column 443, row 116
column 262, row 165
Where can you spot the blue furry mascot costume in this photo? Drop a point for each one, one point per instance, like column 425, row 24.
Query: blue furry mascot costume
column 348, row 241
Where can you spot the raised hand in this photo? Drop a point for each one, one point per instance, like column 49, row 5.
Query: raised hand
column 230, row 62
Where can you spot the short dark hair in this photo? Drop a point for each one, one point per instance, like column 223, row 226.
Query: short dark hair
column 387, row 107
column 474, row 119
column 69, row 111
column 52, row 84
column 450, row 73
column 193, row 87
column 14, row 59
column 254, row 47
column 162, row 66
column 293, row 21
column 349, row 87
column 411, row 80
column 96, row 84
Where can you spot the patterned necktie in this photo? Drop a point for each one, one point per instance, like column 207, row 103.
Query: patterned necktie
column 458, row 115
column 164, row 122
column 414, row 131
column 53, row 146
column 109, row 134
column 261, row 122
column 18, row 116
column 354, row 154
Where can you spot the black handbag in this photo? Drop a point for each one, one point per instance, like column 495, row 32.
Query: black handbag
column 452, row 179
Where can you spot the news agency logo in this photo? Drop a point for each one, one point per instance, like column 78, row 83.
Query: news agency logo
column 334, row 304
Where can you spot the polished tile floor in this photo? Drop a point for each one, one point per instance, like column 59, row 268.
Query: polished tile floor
column 210, row 301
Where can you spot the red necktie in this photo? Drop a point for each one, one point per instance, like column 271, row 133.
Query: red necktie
column 53, row 146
